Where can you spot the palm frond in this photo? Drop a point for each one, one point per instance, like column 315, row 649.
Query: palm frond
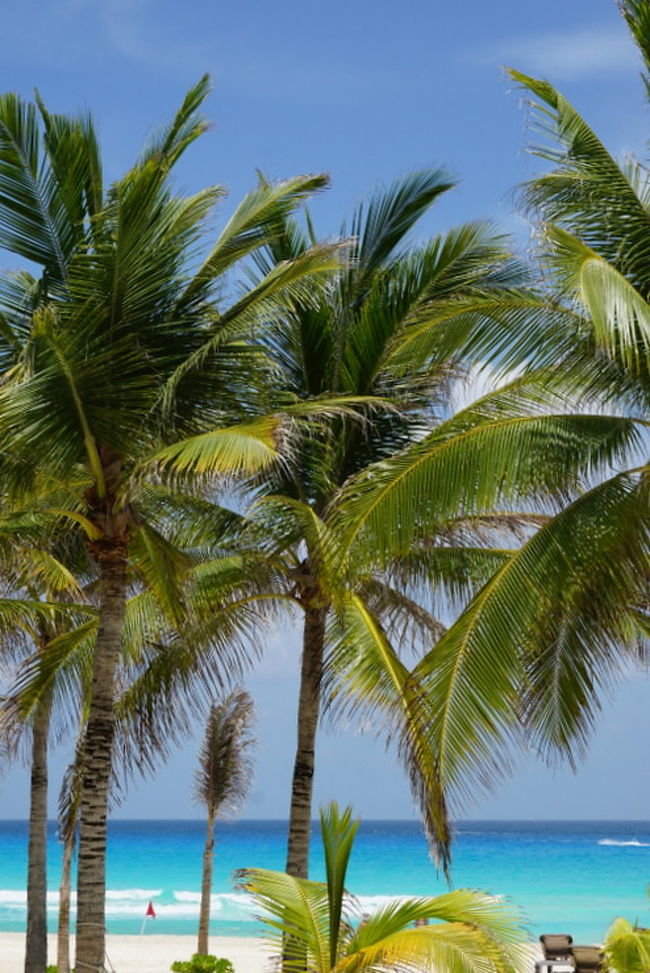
column 224, row 774
column 368, row 679
column 637, row 17
column 544, row 626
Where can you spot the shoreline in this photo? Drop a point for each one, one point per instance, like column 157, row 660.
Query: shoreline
column 149, row 953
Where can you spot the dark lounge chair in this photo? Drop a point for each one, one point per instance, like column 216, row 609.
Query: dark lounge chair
column 557, row 950
column 556, row 946
column 588, row 959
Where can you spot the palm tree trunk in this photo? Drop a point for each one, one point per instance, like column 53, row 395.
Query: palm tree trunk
column 36, row 940
column 96, row 761
column 308, row 715
column 63, row 932
column 206, row 886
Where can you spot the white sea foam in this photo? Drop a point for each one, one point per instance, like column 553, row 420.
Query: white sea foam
column 171, row 903
column 132, row 893
column 179, row 904
column 633, row 843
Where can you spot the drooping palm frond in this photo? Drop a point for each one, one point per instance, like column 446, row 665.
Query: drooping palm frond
column 367, row 679
column 536, row 641
column 469, row 467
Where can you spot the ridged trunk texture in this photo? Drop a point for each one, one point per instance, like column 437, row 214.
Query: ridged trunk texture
column 96, row 761
column 206, row 886
column 36, row 940
column 63, row 931
column 302, row 784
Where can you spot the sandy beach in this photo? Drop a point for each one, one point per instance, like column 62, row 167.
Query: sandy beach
column 149, row 953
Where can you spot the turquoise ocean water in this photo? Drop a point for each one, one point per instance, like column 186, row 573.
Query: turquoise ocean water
column 567, row 876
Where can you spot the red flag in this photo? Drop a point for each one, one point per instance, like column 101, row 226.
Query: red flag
column 150, row 910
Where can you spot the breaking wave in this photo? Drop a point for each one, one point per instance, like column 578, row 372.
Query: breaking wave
column 168, row 904
column 632, row 843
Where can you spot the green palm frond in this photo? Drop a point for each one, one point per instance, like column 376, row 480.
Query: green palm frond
column 406, row 621
column 381, row 224
column 619, row 314
column 368, row 679
column 296, row 911
column 472, row 467
column 163, row 567
column 587, row 193
column 238, row 449
column 338, row 831
column 186, row 126
column 637, row 17
column 250, row 225
column 544, row 628
column 627, row 947
column 28, row 224
column 470, row 932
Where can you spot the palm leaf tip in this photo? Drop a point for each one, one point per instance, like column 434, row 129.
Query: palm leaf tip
column 636, row 14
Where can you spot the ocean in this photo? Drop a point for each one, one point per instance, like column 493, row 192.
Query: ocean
column 566, row 876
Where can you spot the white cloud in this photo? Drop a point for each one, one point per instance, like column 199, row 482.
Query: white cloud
column 582, row 53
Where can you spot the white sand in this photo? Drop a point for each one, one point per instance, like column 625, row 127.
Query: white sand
column 149, row 953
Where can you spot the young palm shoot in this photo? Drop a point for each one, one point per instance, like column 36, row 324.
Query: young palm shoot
column 468, row 932
column 222, row 781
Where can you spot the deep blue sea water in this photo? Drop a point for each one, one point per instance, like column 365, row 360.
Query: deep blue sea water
column 567, row 876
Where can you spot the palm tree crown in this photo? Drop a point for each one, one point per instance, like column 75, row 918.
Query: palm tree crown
column 566, row 612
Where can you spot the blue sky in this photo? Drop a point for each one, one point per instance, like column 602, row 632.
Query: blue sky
column 363, row 90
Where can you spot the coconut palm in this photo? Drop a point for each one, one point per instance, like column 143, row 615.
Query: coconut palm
column 366, row 333
column 69, row 800
column 32, row 565
column 469, row 931
column 563, row 616
column 121, row 351
column 222, row 781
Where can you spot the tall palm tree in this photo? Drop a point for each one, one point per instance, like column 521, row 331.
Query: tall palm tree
column 567, row 612
column 472, row 932
column 222, row 781
column 32, row 565
column 366, row 334
column 69, row 800
column 122, row 350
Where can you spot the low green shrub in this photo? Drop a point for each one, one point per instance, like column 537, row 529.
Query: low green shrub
column 203, row 964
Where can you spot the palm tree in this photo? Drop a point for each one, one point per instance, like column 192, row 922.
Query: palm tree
column 472, row 932
column 121, row 349
column 69, row 799
column 31, row 565
column 567, row 612
column 222, row 781
column 366, row 334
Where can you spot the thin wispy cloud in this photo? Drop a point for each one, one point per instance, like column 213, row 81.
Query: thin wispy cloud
column 574, row 55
